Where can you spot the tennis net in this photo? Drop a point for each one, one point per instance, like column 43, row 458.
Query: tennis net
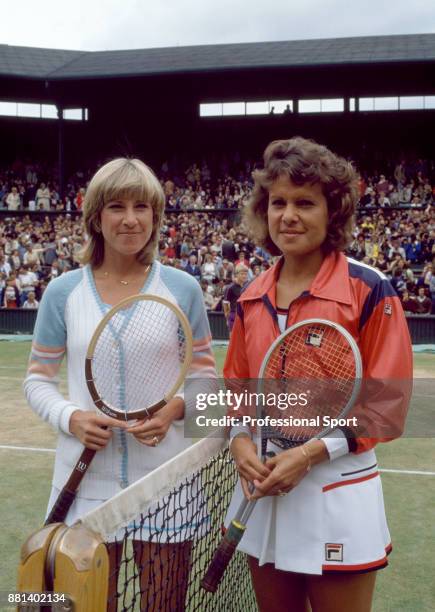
column 162, row 533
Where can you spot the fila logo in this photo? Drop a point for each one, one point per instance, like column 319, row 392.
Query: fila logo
column 81, row 466
column 314, row 337
column 334, row 552
column 388, row 310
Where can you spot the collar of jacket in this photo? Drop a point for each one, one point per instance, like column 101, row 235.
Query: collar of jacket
column 331, row 282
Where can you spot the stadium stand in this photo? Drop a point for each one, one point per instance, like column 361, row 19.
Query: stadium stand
column 203, row 225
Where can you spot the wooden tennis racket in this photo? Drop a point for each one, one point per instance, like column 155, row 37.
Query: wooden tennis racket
column 136, row 361
column 317, row 356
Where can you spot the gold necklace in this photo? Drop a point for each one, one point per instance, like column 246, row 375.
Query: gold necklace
column 126, row 282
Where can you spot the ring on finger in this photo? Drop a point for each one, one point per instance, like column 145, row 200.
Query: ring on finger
column 156, row 440
column 282, row 493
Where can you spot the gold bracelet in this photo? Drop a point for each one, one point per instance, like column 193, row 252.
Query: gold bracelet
column 307, row 456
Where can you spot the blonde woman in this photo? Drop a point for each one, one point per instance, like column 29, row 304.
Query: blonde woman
column 122, row 214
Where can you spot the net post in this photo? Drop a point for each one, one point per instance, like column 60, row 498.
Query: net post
column 81, row 569
column 31, row 569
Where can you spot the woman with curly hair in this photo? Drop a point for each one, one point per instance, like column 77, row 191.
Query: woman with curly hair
column 318, row 532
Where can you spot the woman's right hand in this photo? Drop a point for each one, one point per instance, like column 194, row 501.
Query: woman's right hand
column 248, row 464
column 92, row 429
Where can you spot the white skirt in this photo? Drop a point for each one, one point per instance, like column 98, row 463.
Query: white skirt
column 334, row 520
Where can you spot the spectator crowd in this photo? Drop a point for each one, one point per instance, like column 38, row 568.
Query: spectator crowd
column 203, row 231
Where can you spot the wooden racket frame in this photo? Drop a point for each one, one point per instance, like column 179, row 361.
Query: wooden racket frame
column 104, row 406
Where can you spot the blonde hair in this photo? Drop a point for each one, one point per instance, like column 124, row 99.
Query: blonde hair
column 305, row 161
column 118, row 179
column 241, row 268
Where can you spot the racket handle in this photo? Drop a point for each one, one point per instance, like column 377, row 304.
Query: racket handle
column 67, row 495
column 62, row 505
column 222, row 556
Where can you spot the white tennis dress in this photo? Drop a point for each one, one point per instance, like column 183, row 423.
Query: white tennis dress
column 70, row 310
column 334, row 520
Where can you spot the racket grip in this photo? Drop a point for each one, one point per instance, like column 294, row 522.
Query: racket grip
column 67, row 495
column 222, row 556
column 60, row 509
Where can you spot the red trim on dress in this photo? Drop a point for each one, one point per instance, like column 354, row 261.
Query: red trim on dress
column 362, row 567
column 344, row 483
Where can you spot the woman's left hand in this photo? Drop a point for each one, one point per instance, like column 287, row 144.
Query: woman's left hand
column 151, row 431
column 289, row 467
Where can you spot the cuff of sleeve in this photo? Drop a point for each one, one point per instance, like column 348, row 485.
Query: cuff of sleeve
column 180, row 422
column 65, row 417
column 180, row 392
column 336, row 444
column 236, row 430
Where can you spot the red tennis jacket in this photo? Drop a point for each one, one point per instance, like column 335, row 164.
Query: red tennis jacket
column 362, row 300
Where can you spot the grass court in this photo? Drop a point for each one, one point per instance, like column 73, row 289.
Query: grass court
column 407, row 585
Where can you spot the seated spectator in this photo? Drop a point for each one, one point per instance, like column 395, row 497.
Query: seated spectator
column 169, row 250
column 28, row 282
column 78, row 202
column 398, row 281
column 31, row 257
column 383, row 200
column 381, row 263
column 5, row 266
column 358, row 247
column 11, row 294
column 382, row 186
column 368, row 199
column 207, row 292
column 408, row 302
column 424, row 303
column 395, row 247
column 242, row 260
column 184, row 260
column 256, row 271
column 31, row 302
column 208, row 269
column 193, row 269
column 226, row 272
column 15, row 260
column 412, row 250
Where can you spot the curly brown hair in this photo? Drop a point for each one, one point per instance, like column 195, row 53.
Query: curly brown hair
column 305, row 161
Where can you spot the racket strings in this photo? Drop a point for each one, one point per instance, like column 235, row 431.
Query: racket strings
column 139, row 356
column 315, row 363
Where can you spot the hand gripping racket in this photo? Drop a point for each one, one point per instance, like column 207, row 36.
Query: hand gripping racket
column 315, row 357
column 136, row 361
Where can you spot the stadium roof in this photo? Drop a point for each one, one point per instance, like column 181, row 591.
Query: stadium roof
column 53, row 64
